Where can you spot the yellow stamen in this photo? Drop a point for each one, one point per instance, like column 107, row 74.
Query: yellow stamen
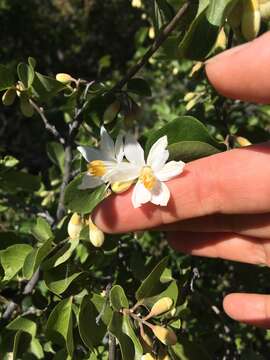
column 96, row 168
column 147, row 177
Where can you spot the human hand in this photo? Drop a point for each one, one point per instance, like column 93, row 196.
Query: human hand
column 220, row 205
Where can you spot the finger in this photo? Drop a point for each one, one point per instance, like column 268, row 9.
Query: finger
column 249, row 308
column 243, row 73
column 233, row 182
column 227, row 246
column 256, row 225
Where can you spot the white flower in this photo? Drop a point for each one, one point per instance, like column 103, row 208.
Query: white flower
column 103, row 163
column 151, row 173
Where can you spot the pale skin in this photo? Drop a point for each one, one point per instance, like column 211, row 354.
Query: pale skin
column 220, row 205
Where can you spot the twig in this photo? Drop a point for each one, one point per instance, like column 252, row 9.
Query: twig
column 51, row 128
column 29, row 287
column 155, row 46
column 112, row 347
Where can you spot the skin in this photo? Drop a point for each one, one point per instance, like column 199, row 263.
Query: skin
column 220, row 205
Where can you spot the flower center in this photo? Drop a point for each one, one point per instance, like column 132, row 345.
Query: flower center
column 96, row 168
column 147, row 177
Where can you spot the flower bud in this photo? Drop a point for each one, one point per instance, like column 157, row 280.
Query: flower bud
column 189, row 96
column 96, row 236
column 151, row 33
column 251, row 19
column 120, row 187
column 265, row 9
column 111, row 112
column 9, row 97
column 221, row 42
column 146, row 342
column 165, row 335
column 148, row 356
column 25, row 106
column 243, row 141
column 64, row 78
column 161, row 306
column 74, row 226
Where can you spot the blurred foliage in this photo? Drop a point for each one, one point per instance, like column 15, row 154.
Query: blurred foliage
column 81, row 291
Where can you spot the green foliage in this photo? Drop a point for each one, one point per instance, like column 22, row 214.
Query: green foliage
column 72, row 300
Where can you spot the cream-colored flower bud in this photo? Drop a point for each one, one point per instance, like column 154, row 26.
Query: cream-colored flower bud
column 151, row 33
column 165, row 335
column 265, row 9
column 251, row 19
column 196, row 68
column 221, row 42
column 136, row 3
column 148, row 356
column 111, row 112
column 120, row 187
column 161, row 306
column 19, row 88
column 189, row 96
column 9, row 96
column 243, row 141
column 64, row 78
column 96, row 236
column 75, row 226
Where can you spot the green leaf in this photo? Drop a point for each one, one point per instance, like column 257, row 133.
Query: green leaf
column 203, row 34
column 91, row 331
column 56, row 154
column 12, row 181
column 60, row 325
column 186, row 350
column 45, row 87
column 35, row 258
column 32, row 62
column 23, row 324
column 118, row 298
column 7, row 78
column 36, row 349
column 26, row 74
column 148, row 286
column 190, row 150
column 60, row 278
column 217, row 11
column 21, row 344
column 61, row 255
column 83, row 201
column 42, row 230
column 184, row 128
column 139, row 86
column 13, row 258
column 118, row 327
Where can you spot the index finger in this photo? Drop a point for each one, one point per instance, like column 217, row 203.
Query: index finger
column 243, row 72
column 233, row 182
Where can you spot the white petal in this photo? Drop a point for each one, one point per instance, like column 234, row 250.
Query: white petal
column 119, row 148
column 140, row 195
column 133, row 151
column 106, row 144
column 122, row 172
column 89, row 153
column 170, row 170
column 160, row 194
column 90, row 182
column 158, row 155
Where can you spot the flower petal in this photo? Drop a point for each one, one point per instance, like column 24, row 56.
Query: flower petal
column 170, row 170
column 160, row 194
column 106, row 144
column 90, row 182
column 133, row 151
column 140, row 195
column 89, row 153
column 122, row 172
column 119, row 148
column 158, row 155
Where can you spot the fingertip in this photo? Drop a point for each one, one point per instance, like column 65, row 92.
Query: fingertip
column 241, row 72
